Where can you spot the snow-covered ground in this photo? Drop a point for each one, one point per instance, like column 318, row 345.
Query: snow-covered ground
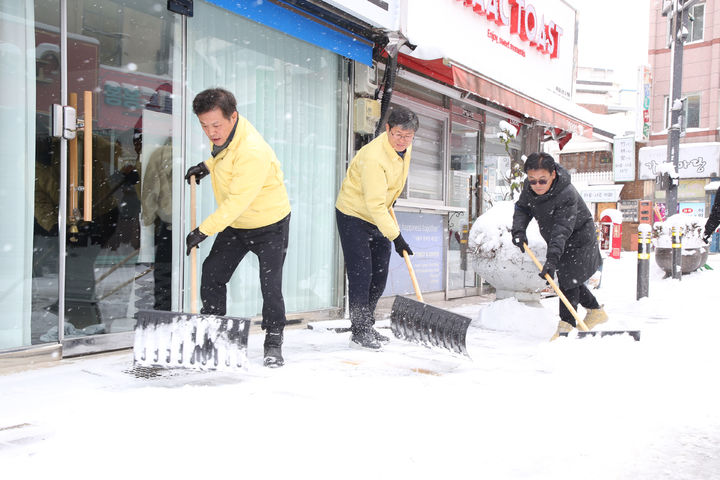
column 522, row 408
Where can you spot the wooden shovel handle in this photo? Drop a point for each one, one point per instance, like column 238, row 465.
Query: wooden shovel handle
column 416, row 286
column 579, row 322
column 193, row 252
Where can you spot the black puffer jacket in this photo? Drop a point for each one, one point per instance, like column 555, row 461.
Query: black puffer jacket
column 714, row 219
column 566, row 225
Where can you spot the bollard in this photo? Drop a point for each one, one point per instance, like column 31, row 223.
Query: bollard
column 643, row 264
column 677, row 253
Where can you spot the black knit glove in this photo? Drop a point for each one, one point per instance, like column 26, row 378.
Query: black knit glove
column 548, row 269
column 707, row 235
column 193, row 239
column 519, row 239
column 401, row 244
column 199, row 170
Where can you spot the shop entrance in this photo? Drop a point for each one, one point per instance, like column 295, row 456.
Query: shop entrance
column 111, row 184
column 464, row 147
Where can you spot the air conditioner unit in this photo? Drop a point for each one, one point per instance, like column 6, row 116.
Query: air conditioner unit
column 365, row 80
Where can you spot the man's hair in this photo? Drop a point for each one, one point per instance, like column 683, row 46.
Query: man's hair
column 403, row 118
column 213, row 98
column 540, row 161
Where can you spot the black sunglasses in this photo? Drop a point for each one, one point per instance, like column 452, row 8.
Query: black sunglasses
column 542, row 181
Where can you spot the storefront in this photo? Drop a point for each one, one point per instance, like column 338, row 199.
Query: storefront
column 488, row 81
column 94, row 227
column 698, row 164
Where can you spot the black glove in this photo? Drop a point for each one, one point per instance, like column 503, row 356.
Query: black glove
column 193, row 239
column 548, row 269
column 706, row 236
column 199, row 170
column 401, row 244
column 519, row 239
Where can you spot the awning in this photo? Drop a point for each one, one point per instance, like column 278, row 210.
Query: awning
column 547, row 114
column 298, row 23
column 552, row 115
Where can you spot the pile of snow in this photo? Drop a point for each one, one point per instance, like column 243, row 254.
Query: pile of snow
column 490, row 235
column 527, row 320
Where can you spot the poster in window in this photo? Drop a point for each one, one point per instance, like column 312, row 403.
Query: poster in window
column 425, row 234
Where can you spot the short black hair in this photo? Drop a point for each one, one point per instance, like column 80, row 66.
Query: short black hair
column 213, row 98
column 540, row 161
column 404, row 118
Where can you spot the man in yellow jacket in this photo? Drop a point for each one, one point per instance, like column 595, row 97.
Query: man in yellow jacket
column 374, row 180
column 253, row 213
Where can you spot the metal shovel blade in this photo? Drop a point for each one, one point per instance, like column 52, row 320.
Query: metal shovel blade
column 430, row 326
column 187, row 340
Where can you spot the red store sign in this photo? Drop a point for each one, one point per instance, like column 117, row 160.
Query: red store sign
column 523, row 20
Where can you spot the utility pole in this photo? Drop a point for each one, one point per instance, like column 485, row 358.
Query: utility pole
column 677, row 11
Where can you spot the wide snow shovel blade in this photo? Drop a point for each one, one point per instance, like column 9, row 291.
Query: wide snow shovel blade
column 428, row 325
column 186, row 340
column 418, row 322
column 584, row 331
column 191, row 340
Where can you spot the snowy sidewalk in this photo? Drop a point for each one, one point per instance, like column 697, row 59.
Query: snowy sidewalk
column 522, row 408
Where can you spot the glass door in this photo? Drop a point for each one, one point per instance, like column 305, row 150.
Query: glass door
column 464, row 145
column 118, row 236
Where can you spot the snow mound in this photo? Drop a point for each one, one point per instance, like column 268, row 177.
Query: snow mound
column 510, row 315
column 491, row 233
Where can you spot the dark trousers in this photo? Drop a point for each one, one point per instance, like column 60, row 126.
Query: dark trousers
column 367, row 256
column 577, row 295
column 270, row 244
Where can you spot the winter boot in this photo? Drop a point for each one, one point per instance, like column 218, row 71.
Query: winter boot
column 363, row 335
column 379, row 336
column 595, row 316
column 273, row 349
column 563, row 327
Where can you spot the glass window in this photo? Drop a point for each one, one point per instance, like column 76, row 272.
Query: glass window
column 17, row 146
column 691, row 115
column 497, row 160
column 295, row 94
column 696, row 26
column 691, row 111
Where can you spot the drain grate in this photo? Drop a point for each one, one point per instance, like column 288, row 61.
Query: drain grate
column 145, row 372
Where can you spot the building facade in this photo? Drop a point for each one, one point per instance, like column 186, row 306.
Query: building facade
column 99, row 208
column 700, row 144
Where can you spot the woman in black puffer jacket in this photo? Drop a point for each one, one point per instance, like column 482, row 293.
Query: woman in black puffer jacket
column 567, row 226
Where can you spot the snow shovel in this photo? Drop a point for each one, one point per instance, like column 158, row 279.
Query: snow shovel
column 418, row 322
column 583, row 330
column 191, row 340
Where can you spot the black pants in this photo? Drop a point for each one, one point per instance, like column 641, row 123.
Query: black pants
column 270, row 244
column 576, row 295
column 367, row 257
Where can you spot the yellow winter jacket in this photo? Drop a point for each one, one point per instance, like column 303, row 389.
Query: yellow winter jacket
column 248, row 183
column 374, row 180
